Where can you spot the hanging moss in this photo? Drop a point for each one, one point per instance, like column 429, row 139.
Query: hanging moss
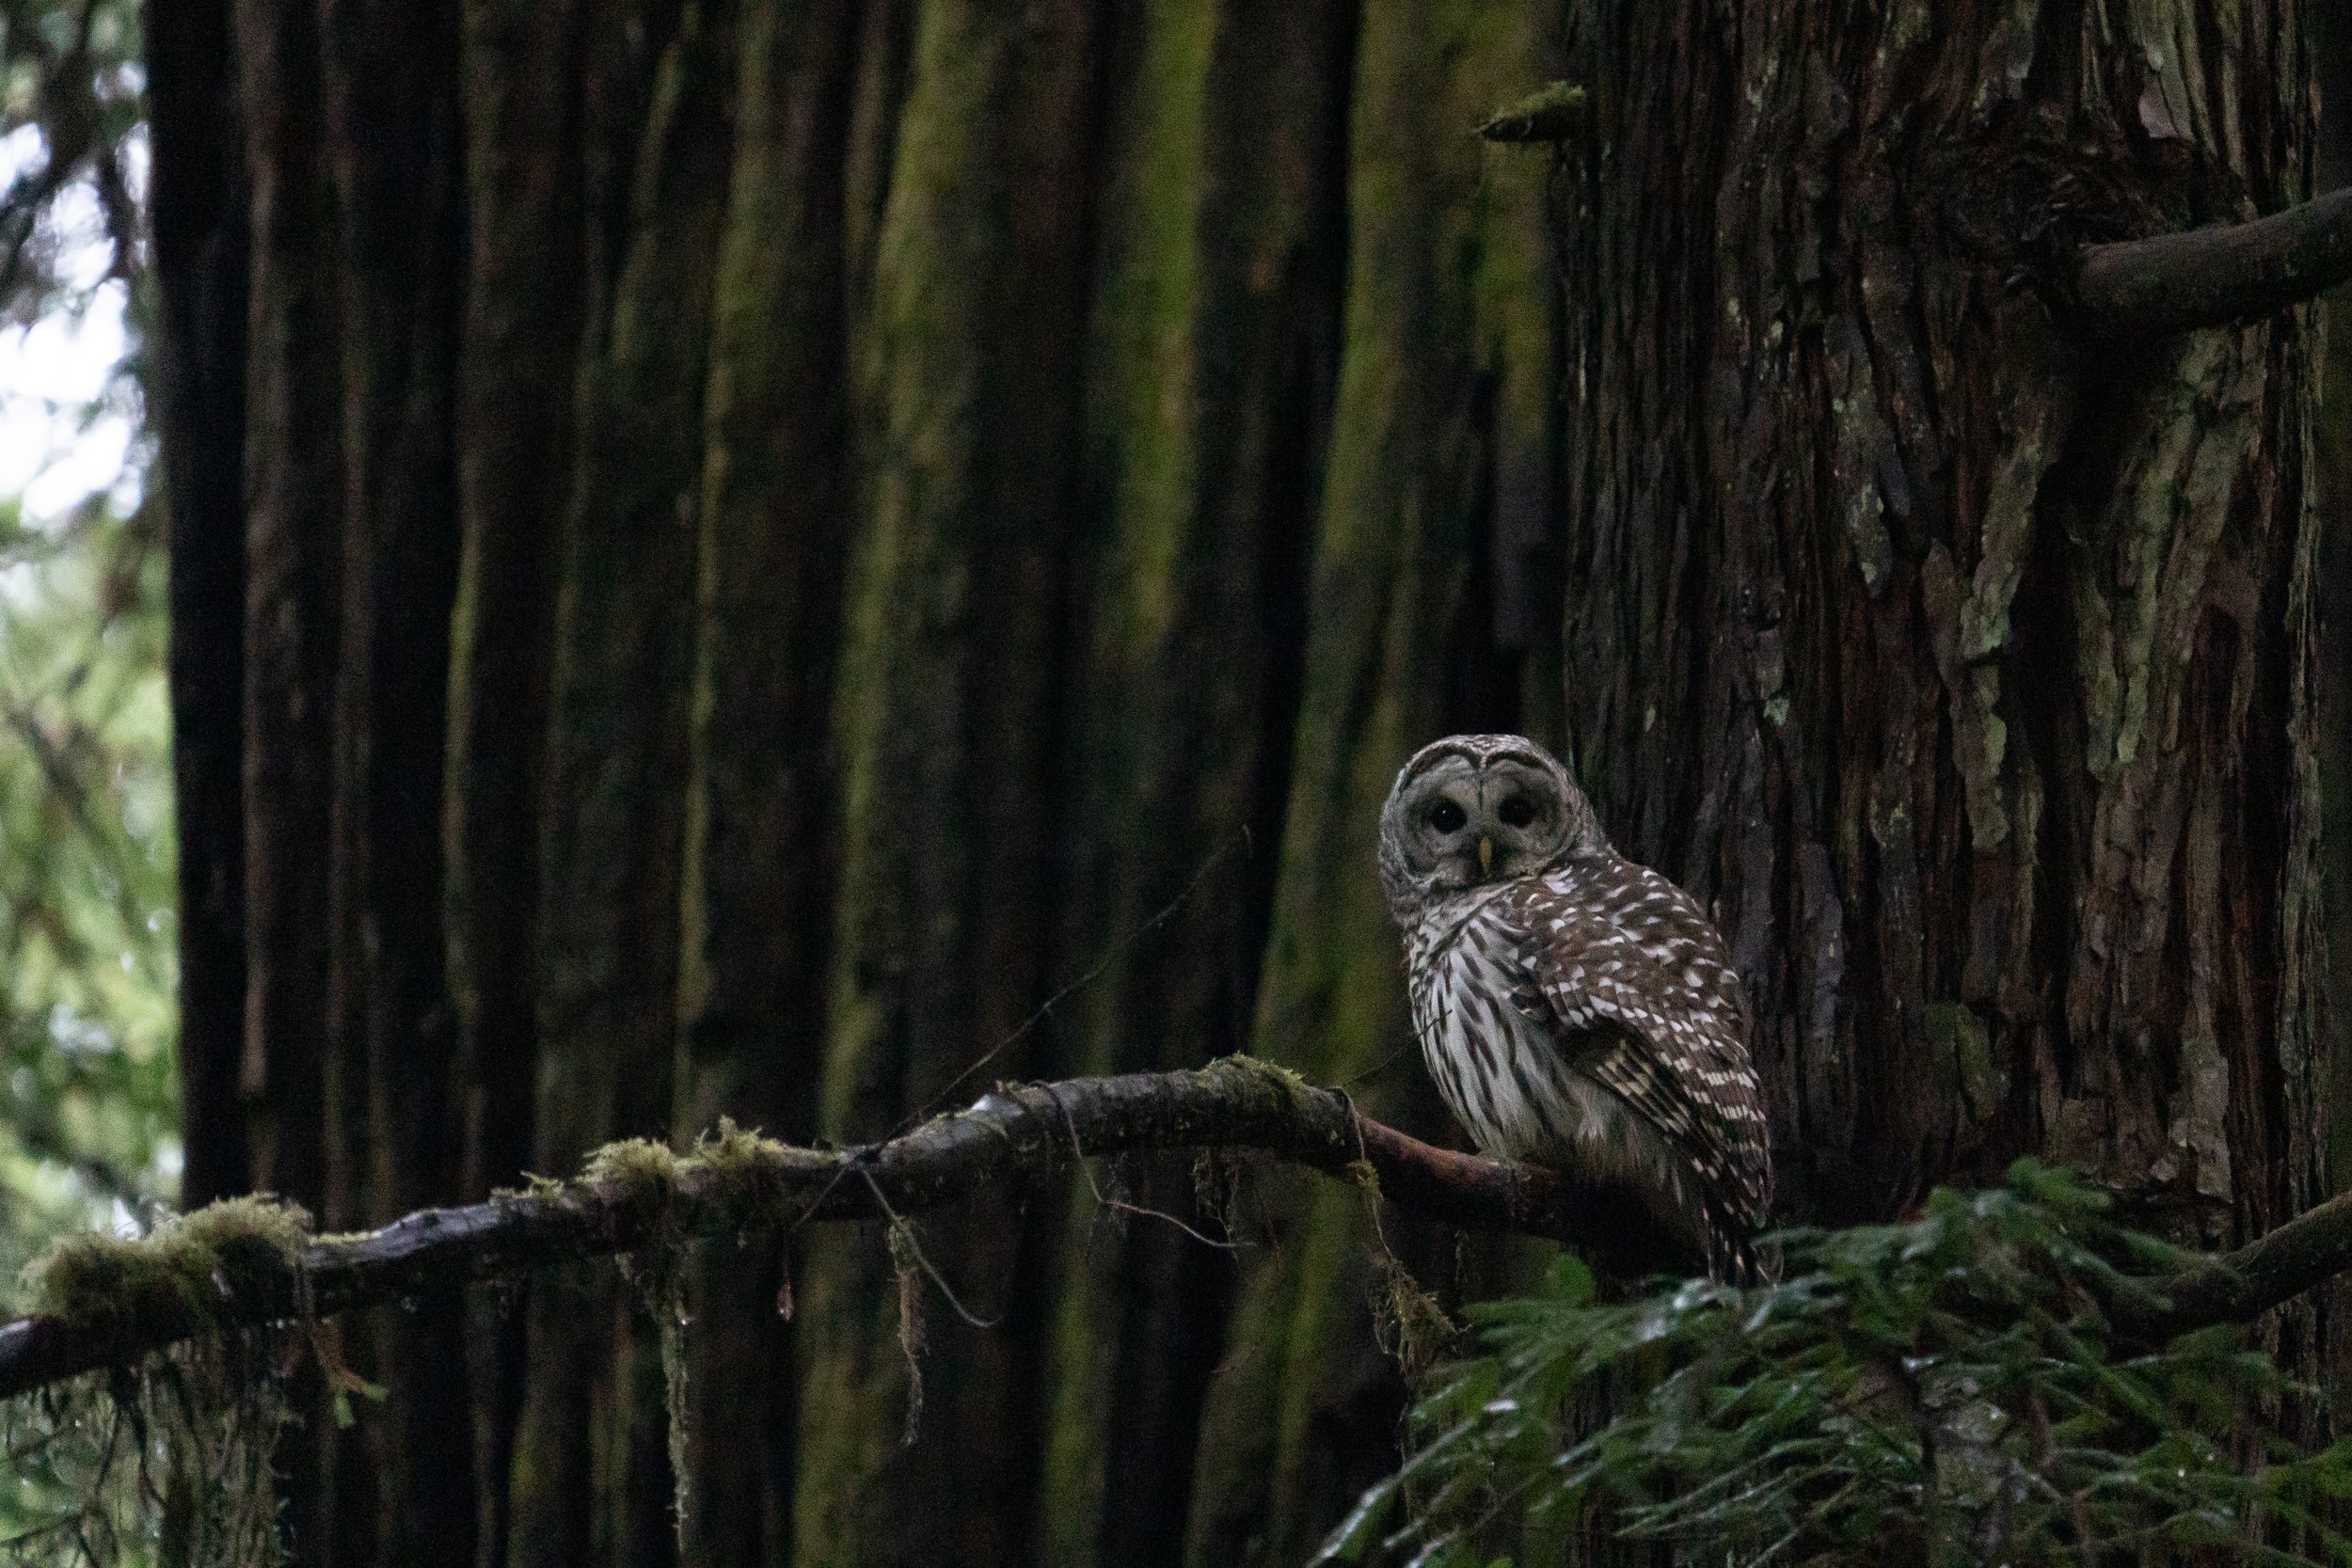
column 1406, row 1318
column 1412, row 1327
column 905, row 1264
column 170, row 1457
column 643, row 1171
column 658, row 1273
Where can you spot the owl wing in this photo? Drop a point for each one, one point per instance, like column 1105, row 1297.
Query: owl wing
column 1621, row 956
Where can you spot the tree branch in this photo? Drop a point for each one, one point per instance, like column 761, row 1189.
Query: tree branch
column 2236, row 1287
column 1557, row 112
column 637, row 1194
column 2214, row 277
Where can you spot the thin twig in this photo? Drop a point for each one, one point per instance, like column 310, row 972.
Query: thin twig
column 914, row 1245
column 1102, row 1199
column 1118, row 951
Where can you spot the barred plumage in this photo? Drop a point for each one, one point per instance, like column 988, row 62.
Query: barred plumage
column 1576, row 1009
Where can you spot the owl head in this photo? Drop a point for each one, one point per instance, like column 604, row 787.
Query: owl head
column 1472, row 809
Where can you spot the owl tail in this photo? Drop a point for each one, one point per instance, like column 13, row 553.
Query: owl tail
column 1737, row 1252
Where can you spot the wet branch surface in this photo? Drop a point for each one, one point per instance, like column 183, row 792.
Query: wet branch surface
column 1013, row 1134
column 2214, row 277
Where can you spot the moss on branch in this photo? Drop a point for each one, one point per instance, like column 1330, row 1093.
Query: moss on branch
column 195, row 1270
column 1557, row 112
column 106, row 1301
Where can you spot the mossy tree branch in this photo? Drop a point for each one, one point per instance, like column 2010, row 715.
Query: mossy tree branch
column 2236, row 1287
column 634, row 1192
column 1557, row 112
column 2215, row 277
column 243, row 1263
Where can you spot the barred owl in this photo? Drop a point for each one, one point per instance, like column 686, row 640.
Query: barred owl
column 1576, row 1009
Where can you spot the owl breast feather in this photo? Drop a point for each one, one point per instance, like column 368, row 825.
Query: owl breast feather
column 1507, row 1072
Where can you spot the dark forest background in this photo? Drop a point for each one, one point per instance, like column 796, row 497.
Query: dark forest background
column 790, row 558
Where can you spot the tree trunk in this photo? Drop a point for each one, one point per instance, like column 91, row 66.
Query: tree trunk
column 790, row 558
column 759, row 868
column 965, row 375
column 199, row 213
column 1218, row 269
column 1961, row 662
column 1440, row 427
column 528, row 250
column 2331, row 51
column 390, row 115
column 589, row 1477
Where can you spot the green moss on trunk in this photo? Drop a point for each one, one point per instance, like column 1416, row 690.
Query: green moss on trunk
column 1402, row 647
column 1213, row 329
column 613, row 829
column 964, row 357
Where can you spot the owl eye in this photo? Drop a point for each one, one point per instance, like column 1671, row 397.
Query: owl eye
column 1518, row 811
column 1447, row 817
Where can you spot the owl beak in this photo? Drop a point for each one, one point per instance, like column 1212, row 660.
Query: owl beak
column 1486, row 856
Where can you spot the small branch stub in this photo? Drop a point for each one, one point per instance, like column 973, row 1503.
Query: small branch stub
column 1558, row 113
column 2215, row 277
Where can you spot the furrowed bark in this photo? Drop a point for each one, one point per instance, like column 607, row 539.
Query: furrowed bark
column 1213, row 341
column 521, row 87
column 2331, row 164
column 198, row 221
column 1446, row 350
column 2331, row 497
column 1977, row 726
column 402, row 1489
column 965, row 369
column 1960, row 668
column 2215, row 277
column 590, row 1479
column 293, row 551
column 527, row 232
column 294, row 523
column 758, row 873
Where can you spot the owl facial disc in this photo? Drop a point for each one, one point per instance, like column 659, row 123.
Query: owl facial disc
column 1474, row 809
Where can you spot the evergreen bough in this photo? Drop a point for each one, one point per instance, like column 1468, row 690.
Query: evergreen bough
column 1947, row 1391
